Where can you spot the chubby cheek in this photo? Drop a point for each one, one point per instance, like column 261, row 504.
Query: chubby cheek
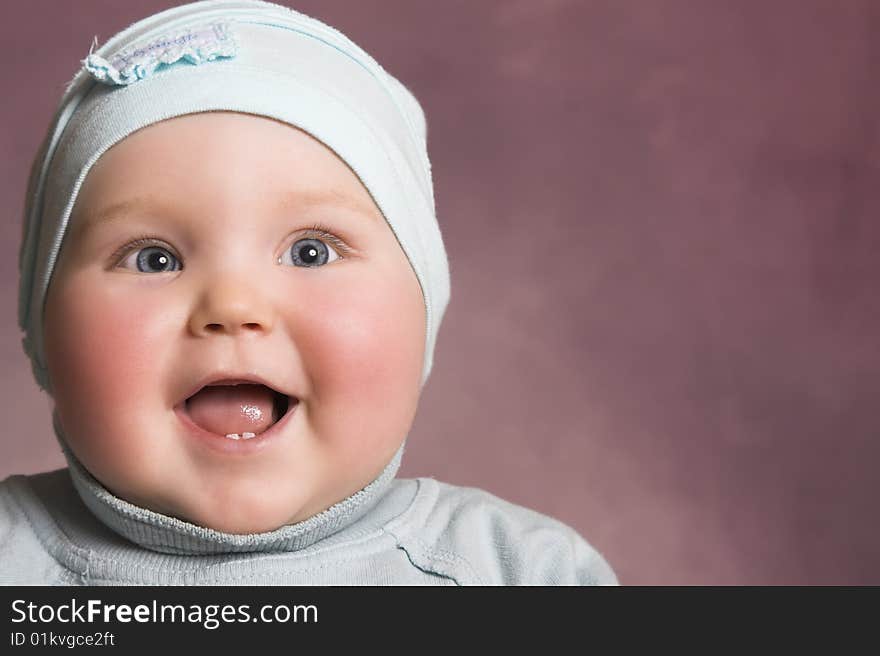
column 104, row 356
column 364, row 350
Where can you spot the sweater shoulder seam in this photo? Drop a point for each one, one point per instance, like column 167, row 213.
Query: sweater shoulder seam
column 423, row 555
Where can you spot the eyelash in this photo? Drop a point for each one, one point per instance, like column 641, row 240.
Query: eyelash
column 316, row 230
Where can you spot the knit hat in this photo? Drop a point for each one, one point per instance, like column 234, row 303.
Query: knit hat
column 244, row 56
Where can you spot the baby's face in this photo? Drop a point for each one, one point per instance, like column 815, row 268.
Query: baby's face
column 231, row 282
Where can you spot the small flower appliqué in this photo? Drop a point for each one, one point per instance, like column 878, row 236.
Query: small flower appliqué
column 196, row 45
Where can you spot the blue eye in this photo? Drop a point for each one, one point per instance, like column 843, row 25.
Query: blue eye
column 152, row 259
column 146, row 255
column 308, row 252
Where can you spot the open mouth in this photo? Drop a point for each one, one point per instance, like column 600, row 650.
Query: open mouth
column 237, row 410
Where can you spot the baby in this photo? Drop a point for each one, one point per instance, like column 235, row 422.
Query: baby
column 232, row 280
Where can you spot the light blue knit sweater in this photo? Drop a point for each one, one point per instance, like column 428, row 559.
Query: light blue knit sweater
column 394, row 532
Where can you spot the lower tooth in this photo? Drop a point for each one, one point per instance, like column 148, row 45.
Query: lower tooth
column 233, row 436
column 247, row 436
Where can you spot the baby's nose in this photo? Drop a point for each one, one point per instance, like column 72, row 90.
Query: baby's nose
column 230, row 306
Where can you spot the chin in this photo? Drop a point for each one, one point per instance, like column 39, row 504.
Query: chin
column 237, row 524
column 240, row 518
column 243, row 527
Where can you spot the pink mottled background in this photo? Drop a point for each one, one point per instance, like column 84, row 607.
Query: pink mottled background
column 662, row 224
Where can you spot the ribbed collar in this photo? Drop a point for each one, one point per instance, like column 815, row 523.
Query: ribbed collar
column 166, row 534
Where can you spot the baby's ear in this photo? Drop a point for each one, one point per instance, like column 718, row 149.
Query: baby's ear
column 41, row 374
column 44, row 380
column 415, row 119
column 413, row 112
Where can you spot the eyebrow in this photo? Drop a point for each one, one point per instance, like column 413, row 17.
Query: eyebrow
column 121, row 209
column 314, row 198
column 297, row 200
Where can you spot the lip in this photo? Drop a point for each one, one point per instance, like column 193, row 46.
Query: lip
column 236, row 447
column 231, row 378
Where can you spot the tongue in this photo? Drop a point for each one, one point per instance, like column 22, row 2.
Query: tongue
column 225, row 409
